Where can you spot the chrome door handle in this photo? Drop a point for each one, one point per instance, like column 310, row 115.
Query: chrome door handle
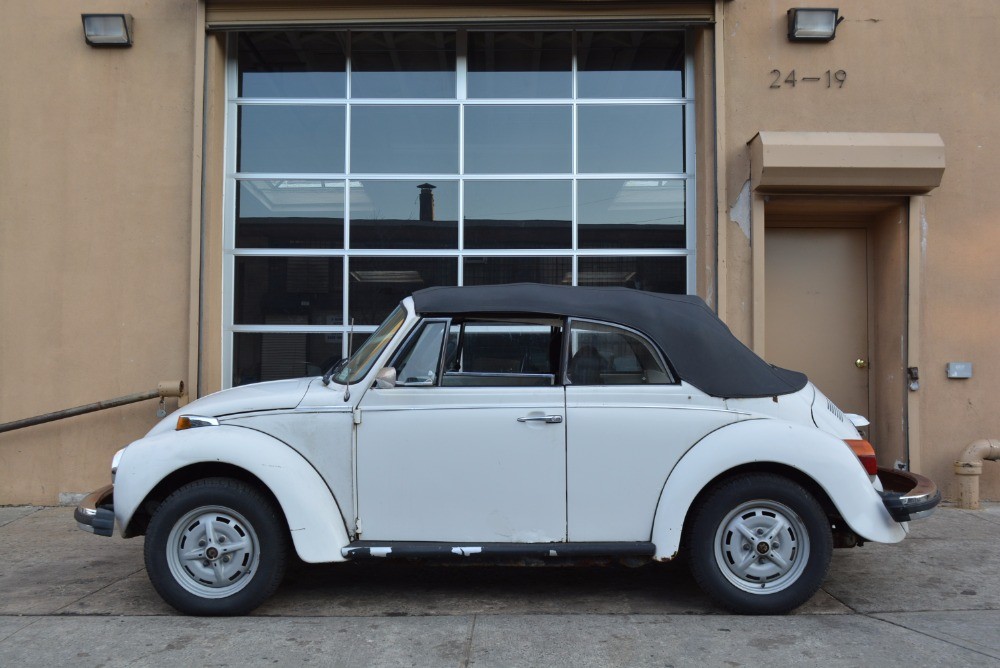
column 548, row 419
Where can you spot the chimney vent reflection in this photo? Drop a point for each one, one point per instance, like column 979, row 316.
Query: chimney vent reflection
column 426, row 201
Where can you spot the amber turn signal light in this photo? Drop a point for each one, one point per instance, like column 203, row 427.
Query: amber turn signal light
column 192, row 421
column 865, row 454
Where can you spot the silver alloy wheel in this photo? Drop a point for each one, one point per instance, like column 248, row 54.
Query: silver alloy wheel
column 762, row 546
column 213, row 552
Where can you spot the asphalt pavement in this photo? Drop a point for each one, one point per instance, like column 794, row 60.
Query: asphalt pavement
column 68, row 598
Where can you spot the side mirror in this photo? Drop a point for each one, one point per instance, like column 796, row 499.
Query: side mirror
column 385, row 379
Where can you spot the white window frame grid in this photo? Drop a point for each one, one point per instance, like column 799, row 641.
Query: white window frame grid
column 232, row 177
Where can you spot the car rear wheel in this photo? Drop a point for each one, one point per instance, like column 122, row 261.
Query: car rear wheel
column 216, row 547
column 760, row 544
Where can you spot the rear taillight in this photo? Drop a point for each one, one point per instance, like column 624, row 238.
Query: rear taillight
column 865, row 454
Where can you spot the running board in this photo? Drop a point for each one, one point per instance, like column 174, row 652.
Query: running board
column 370, row 549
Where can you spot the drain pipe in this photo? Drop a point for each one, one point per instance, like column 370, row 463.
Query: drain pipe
column 969, row 467
column 166, row 388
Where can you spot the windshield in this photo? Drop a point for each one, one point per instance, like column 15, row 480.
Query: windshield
column 358, row 366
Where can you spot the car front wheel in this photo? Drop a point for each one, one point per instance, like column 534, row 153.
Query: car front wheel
column 216, row 547
column 760, row 544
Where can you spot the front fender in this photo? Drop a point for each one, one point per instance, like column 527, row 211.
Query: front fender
column 312, row 512
column 826, row 460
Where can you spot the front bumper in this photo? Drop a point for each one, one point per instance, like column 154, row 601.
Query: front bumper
column 96, row 513
column 908, row 496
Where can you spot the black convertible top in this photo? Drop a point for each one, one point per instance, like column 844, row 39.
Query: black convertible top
column 700, row 347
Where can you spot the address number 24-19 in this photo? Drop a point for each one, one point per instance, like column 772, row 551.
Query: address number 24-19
column 833, row 79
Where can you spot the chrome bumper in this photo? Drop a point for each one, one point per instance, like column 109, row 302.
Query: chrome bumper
column 96, row 513
column 908, row 496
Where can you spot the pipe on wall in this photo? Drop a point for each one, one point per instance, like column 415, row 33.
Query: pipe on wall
column 165, row 388
column 969, row 467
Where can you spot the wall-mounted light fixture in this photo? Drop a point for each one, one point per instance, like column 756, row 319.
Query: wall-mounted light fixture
column 108, row 29
column 809, row 24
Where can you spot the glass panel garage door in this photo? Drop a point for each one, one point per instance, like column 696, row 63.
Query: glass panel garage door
column 365, row 165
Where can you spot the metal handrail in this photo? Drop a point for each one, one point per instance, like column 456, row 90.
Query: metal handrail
column 171, row 388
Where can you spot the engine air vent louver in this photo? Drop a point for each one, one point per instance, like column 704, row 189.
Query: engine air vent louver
column 836, row 411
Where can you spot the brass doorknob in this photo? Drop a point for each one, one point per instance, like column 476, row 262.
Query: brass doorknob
column 860, row 363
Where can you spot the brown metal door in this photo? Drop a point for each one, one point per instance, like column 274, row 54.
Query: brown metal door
column 816, row 302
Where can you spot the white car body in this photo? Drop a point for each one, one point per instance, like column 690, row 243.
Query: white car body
column 557, row 465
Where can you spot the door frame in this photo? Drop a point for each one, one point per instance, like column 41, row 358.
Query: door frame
column 854, row 164
column 875, row 213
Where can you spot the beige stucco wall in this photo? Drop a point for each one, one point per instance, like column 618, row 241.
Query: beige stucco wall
column 912, row 66
column 100, row 161
column 95, row 209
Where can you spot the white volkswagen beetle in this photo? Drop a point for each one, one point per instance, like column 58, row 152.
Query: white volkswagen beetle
column 513, row 421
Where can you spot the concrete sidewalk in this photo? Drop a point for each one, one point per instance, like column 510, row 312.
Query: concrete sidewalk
column 71, row 599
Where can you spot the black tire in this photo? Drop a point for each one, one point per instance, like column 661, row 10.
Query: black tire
column 731, row 558
column 244, row 529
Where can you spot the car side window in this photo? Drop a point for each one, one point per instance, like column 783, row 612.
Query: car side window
column 418, row 365
column 606, row 355
column 503, row 353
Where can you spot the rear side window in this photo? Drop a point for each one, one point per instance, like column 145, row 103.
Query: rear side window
column 607, row 355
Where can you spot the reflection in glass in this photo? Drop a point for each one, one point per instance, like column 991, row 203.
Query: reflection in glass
column 404, row 185
column 518, row 139
column 403, row 64
column 520, row 64
column 378, row 284
column 418, row 365
column 630, row 64
column 607, row 355
column 655, row 274
column 290, row 213
column 404, row 214
column 260, row 357
column 496, row 270
column 284, row 138
column 292, row 64
column 518, row 214
column 356, row 341
column 630, row 213
column 288, row 291
column 364, row 356
column 404, row 139
column 503, row 347
column 630, row 138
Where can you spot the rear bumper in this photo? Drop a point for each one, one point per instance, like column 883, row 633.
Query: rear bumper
column 908, row 496
column 96, row 513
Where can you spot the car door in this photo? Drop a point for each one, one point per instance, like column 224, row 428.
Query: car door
column 628, row 422
column 464, row 447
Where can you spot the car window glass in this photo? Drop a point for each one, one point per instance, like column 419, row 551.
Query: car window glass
column 607, row 355
column 418, row 365
column 480, row 353
column 361, row 362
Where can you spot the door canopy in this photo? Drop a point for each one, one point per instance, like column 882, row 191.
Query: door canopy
column 842, row 162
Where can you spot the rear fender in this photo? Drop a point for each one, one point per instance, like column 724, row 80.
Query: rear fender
column 310, row 509
column 826, row 460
